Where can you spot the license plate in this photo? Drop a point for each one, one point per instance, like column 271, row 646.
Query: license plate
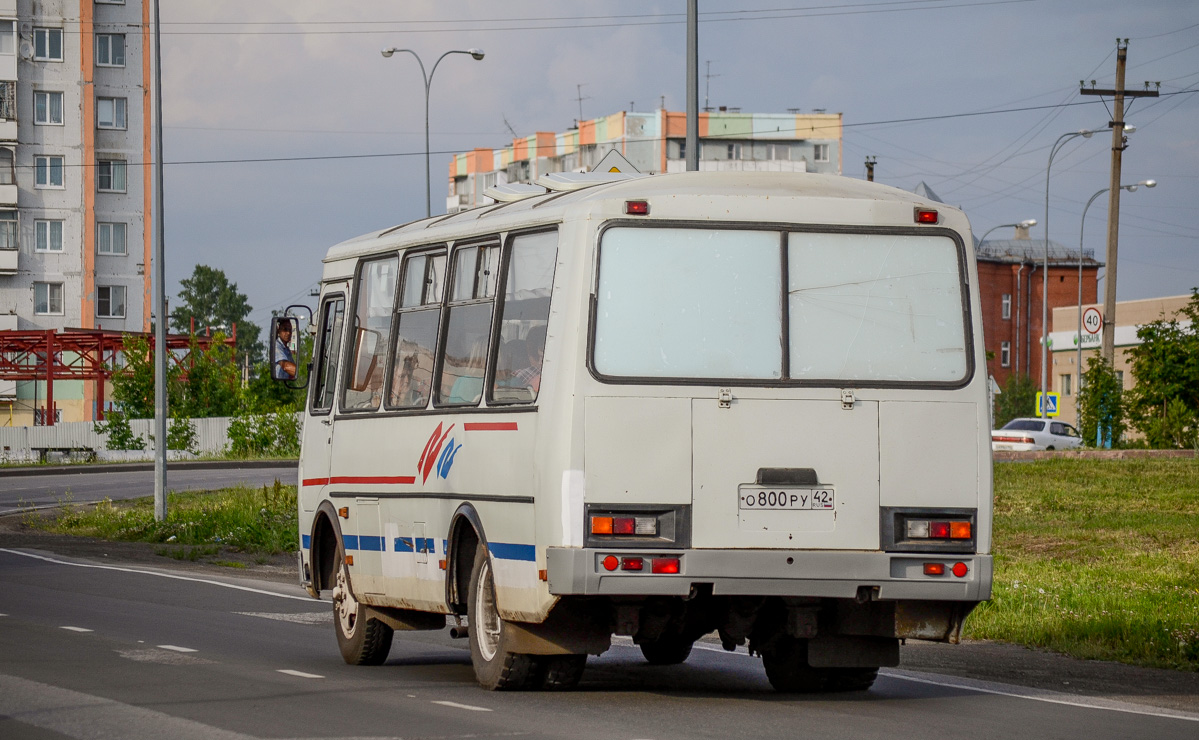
column 785, row 499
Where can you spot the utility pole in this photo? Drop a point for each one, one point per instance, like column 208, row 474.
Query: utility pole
column 708, row 84
column 870, row 161
column 692, row 85
column 160, row 294
column 1119, row 144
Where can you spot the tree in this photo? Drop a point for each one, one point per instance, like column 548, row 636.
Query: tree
column 1019, row 398
column 208, row 298
column 1164, row 403
column 1101, row 403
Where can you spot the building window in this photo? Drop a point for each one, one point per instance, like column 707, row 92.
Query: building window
column 1007, row 305
column 47, row 299
column 47, row 44
column 110, row 49
column 110, row 2
column 110, row 238
column 110, row 301
column 39, row 417
column 1065, row 385
column 8, row 173
column 48, row 171
column 779, row 151
column 8, row 100
column 820, row 152
column 49, row 236
column 8, row 230
column 47, row 108
column 110, row 112
column 1120, row 378
column 1005, row 354
column 734, row 151
column 110, row 175
column 8, row 38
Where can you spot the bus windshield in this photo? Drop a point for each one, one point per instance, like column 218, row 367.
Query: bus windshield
column 757, row 305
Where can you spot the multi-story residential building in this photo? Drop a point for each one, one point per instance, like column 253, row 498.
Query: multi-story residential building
column 74, row 184
column 655, row 142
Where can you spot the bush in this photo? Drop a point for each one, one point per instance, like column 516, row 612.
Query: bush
column 265, row 435
column 1019, row 398
column 1101, row 404
column 120, row 433
column 181, row 434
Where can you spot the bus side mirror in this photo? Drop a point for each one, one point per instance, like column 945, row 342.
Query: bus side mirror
column 284, row 352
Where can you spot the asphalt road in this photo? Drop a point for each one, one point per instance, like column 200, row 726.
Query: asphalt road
column 104, row 651
column 22, row 492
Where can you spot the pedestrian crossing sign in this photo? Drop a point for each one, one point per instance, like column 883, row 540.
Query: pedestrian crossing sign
column 1053, row 407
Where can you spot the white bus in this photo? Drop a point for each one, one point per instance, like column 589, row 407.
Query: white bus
column 753, row 404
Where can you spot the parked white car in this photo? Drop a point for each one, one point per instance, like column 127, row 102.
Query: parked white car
column 1022, row 435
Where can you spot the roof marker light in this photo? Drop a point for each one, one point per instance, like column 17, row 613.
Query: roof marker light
column 926, row 216
column 636, row 207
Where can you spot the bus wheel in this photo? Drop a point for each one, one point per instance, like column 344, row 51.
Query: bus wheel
column 562, row 672
column 787, row 668
column 495, row 666
column 362, row 639
column 851, row 679
column 666, row 650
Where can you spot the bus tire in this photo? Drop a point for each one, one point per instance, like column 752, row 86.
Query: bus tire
column 666, row 650
column 362, row 639
column 496, row 667
column 851, row 679
column 786, row 664
column 562, row 672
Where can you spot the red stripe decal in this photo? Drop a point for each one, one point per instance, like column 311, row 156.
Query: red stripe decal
column 490, row 426
column 373, row 479
column 315, row 481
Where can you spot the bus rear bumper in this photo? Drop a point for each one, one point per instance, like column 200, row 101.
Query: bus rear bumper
column 838, row 575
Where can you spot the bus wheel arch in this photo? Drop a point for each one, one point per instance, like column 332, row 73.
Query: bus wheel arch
column 465, row 536
column 326, row 533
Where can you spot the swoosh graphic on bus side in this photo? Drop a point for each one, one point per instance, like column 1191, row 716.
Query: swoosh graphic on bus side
column 490, row 426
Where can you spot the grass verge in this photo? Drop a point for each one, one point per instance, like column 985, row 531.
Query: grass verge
column 1097, row 559
column 260, row 521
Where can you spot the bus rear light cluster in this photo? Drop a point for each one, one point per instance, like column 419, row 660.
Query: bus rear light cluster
column 637, row 564
column 640, row 526
column 935, row 529
column 938, row 569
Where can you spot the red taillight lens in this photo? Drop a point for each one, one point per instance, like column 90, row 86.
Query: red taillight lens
column 632, row 563
column 960, row 570
column 938, row 530
column 959, row 530
column 636, row 207
column 611, row 562
column 623, row 525
column 934, row 569
column 665, row 565
column 926, row 216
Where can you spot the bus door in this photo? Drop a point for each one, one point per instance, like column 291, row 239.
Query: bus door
column 318, row 428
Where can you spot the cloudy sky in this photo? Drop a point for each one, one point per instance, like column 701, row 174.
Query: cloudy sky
column 302, row 82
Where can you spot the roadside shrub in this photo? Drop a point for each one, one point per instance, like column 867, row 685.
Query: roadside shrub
column 266, row 435
column 1101, row 404
column 181, row 434
column 1019, row 398
column 120, row 432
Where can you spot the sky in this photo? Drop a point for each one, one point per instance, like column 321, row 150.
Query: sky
column 993, row 83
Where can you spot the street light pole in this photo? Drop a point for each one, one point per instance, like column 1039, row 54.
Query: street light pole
column 1086, row 134
column 1082, row 226
column 476, row 54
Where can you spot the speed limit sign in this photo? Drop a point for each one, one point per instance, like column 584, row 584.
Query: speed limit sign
column 1092, row 320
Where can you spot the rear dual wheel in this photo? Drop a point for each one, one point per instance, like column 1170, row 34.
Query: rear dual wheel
column 787, row 668
column 496, row 666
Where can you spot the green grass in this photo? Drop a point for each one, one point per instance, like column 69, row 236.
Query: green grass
column 1097, row 559
column 261, row 521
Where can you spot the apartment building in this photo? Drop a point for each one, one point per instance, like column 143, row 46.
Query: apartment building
column 654, row 142
column 74, row 186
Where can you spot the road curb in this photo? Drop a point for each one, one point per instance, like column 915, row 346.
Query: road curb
column 83, row 468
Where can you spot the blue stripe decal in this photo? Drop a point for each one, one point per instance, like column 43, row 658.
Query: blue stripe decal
column 403, row 544
column 349, row 541
column 373, row 544
column 305, row 541
column 509, row 551
column 425, row 544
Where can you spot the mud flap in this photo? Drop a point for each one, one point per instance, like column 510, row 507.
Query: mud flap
column 844, row 651
column 939, row 621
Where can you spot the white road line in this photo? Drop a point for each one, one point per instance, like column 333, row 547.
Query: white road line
column 178, row 649
column 75, row 629
column 989, row 687
column 456, row 705
column 298, row 674
column 155, row 573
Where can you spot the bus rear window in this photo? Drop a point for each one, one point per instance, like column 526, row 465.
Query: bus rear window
column 708, row 304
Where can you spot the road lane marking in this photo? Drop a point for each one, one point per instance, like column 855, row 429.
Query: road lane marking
column 298, row 674
column 75, row 629
column 172, row 576
column 178, row 649
column 324, row 617
column 456, row 705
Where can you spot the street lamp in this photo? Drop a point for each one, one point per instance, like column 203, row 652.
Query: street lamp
column 1082, row 226
column 1027, row 223
column 1086, row 134
column 475, row 54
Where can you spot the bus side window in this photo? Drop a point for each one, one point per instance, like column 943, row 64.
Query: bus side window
column 416, row 330
column 464, row 355
column 528, row 282
column 326, row 371
column 374, row 302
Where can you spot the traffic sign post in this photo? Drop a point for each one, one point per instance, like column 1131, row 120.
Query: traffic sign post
column 1092, row 321
column 1054, row 407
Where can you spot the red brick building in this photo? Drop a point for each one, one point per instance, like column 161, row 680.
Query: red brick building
column 1010, row 288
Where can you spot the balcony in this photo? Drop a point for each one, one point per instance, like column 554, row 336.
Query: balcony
column 8, row 196
column 8, row 261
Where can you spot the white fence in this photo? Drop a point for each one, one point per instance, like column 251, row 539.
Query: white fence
column 20, row 444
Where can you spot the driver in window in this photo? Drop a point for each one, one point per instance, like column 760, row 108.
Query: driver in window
column 530, row 375
column 285, row 363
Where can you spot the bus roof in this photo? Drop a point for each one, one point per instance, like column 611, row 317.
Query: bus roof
column 554, row 206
